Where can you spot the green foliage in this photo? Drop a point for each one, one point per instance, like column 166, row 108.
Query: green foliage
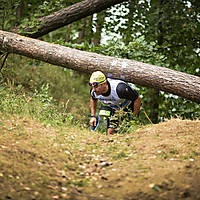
column 69, row 89
column 173, row 25
column 140, row 50
column 33, row 24
column 42, row 94
column 147, row 31
column 27, row 13
column 8, row 9
column 50, row 6
column 173, row 106
column 40, row 105
column 172, row 29
column 129, row 125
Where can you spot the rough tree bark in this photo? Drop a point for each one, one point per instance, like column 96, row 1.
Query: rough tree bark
column 66, row 16
column 161, row 78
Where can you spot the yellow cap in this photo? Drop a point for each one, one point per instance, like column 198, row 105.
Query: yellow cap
column 97, row 77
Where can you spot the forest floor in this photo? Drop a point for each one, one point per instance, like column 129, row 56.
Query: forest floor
column 155, row 162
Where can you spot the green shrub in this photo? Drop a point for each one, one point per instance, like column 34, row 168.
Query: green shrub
column 39, row 105
column 69, row 89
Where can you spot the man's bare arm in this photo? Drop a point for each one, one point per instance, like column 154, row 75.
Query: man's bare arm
column 93, row 106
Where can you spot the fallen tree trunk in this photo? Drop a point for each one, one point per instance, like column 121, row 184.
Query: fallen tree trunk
column 161, row 78
column 66, row 16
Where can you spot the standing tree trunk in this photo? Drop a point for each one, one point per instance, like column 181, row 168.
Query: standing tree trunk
column 154, row 94
column 128, row 32
column 20, row 9
column 85, row 30
column 99, row 25
column 160, row 78
column 81, row 31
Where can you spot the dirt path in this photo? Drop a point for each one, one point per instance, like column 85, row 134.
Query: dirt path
column 155, row 162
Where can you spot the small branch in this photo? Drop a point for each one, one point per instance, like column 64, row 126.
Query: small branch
column 4, row 60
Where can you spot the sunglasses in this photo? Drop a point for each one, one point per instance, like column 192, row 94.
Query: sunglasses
column 96, row 84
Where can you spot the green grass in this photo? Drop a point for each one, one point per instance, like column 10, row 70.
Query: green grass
column 31, row 79
column 40, row 105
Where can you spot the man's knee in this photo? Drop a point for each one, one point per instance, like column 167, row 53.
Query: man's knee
column 111, row 131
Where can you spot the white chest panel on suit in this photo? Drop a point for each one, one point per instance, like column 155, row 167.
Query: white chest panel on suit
column 113, row 99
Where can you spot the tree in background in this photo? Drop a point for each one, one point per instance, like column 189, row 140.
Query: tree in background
column 173, row 28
